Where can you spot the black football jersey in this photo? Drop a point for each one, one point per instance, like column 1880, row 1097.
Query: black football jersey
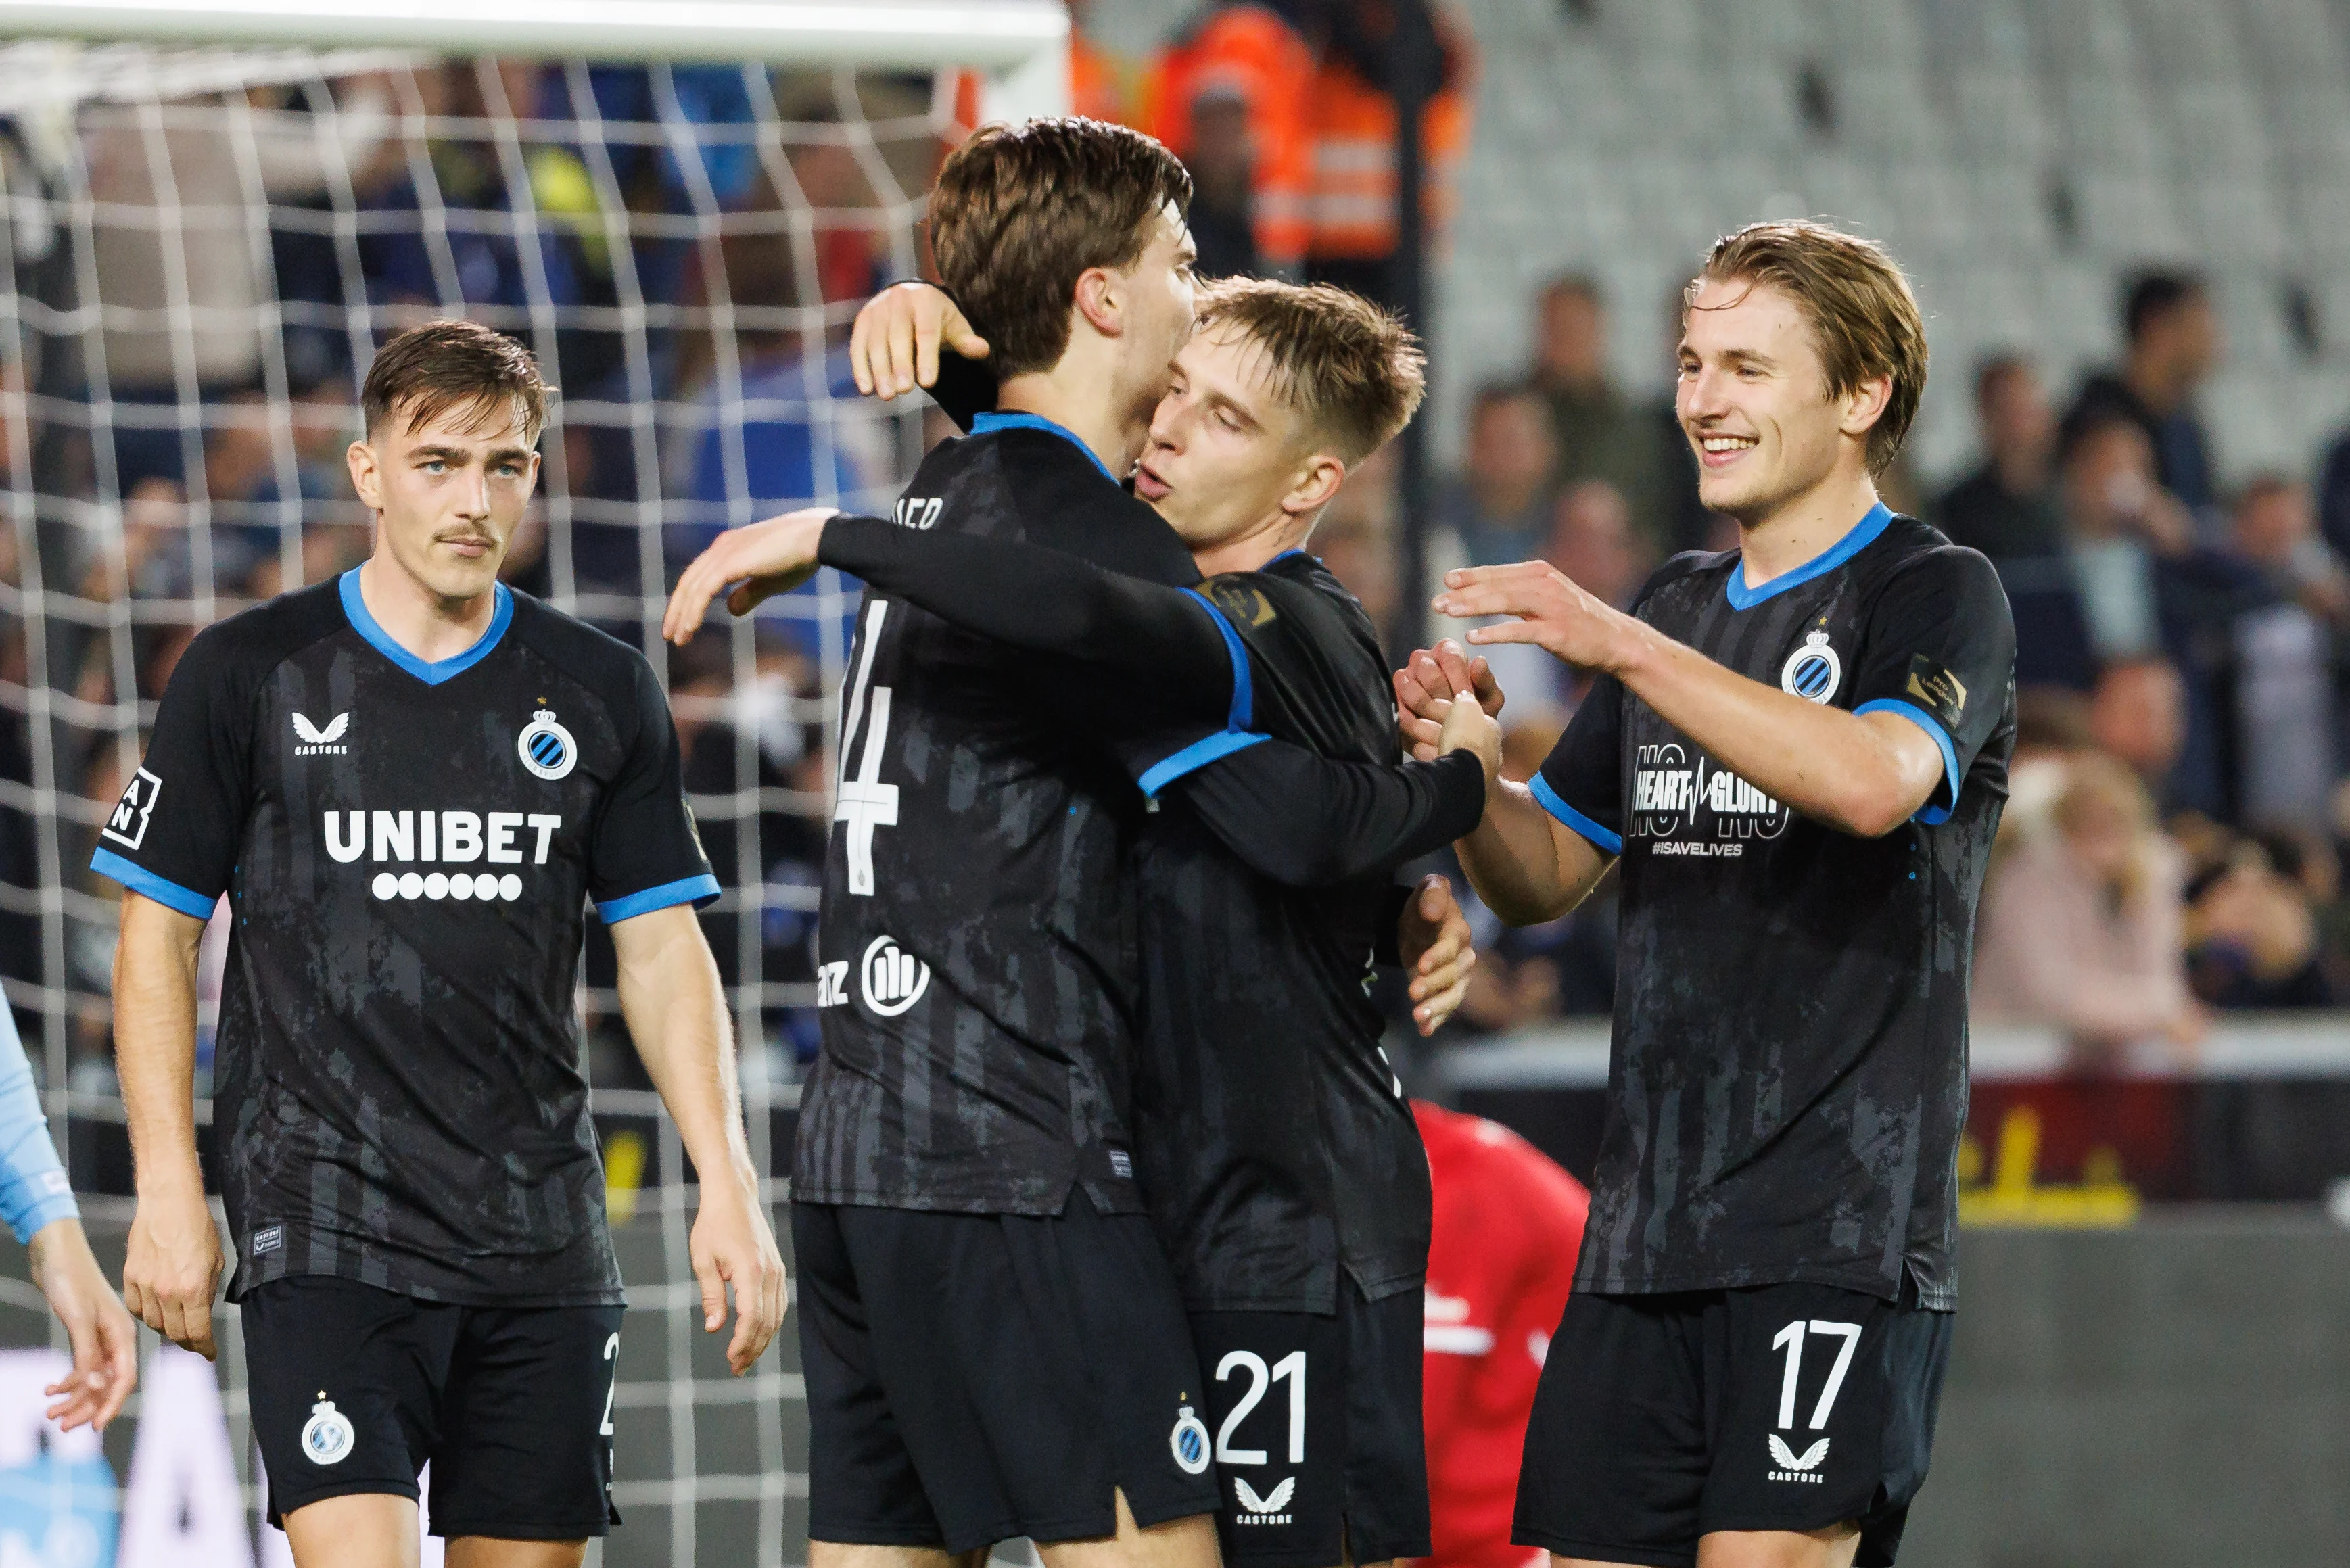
column 1270, row 1135
column 1789, row 1073
column 977, row 949
column 408, row 850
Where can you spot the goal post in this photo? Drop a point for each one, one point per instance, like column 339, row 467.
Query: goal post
column 1022, row 46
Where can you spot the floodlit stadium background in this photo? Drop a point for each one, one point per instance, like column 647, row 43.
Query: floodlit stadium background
column 201, row 247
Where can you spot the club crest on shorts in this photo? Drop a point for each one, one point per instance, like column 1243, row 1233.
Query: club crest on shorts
column 1813, row 671
column 546, row 747
column 1189, row 1442
column 326, row 1436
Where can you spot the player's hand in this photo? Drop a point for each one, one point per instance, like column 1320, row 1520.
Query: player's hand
column 173, row 1269
column 1424, row 688
column 894, row 347
column 734, row 1245
column 105, row 1343
column 1432, row 939
column 1553, row 612
column 762, row 561
column 1467, row 727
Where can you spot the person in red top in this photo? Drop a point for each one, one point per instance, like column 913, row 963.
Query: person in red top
column 1508, row 1225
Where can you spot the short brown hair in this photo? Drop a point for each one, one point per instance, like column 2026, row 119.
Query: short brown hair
column 1863, row 315
column 1354, row 370
column 427, row 370
column 1021, row 211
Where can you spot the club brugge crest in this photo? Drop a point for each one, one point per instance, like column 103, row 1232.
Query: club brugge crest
column 1189, row 1442
column 1812, row 670
column 327, row 1437
column 547, row 747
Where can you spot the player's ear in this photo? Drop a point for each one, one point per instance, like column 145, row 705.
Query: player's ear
column 1100, row 301
column 1318, row 479
column 1866, row 404
column 366, row 481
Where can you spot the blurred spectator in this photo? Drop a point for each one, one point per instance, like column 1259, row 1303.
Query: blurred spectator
column 2273, row 526
column 1353, row 210
column 1507, row 1225
column 2007, row 507
column 1356, row 539
column 1229, row 96
column 1599, row 434
column 2285, row 688
column 172, row 249
column 2252, row 931
column 1592, row 540
column 2117, row 520
column 2174, row 345
column 2137, row 714
column 1498, row 505
column 2081, row 926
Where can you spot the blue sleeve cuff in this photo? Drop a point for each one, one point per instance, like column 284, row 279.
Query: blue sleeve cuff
column 1195, row 757
column 28, row 1224
column 145, row 883
column 694, row 890
column 1549, row 798
column 1930, row 814
column 1244, row 711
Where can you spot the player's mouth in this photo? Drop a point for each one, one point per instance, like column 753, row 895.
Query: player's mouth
column 471, row 547
column 1717, row 451
column 1149, row 485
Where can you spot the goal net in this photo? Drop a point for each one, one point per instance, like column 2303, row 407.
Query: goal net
column 201, row 248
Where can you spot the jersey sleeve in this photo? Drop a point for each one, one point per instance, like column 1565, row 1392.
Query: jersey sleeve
column 1940, row 650
column 644, row 853
column 173, row 835
column 1581, row 782
column 33, row 1188
column 1169, row 651
column 1310, row 821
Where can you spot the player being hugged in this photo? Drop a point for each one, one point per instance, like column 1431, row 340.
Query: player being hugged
column 409, row 782
column 1796, row 751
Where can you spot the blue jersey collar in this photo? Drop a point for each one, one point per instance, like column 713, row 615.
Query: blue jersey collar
column 988, row 424
column 1859, row 538
column 431, row 674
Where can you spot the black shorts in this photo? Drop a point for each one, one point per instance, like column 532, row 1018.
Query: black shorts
column 356, row 1389
column 975, row 1377
column 1317, row 1432
column 1662, row 1418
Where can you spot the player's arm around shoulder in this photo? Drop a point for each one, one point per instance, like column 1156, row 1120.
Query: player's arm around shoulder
column 675, row 1006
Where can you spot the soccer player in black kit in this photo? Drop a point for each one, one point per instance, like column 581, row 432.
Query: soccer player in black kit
column 1276, row 1154
column 409, row 782
column 953, row 1399
column 1796, row 754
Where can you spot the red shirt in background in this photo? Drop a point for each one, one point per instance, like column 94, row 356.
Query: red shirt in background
column 1508, row 1225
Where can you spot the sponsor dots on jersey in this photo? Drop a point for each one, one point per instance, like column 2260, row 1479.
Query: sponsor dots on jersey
column 442, row 838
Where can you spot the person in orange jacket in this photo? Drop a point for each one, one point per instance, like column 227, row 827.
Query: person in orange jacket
column 1508, row 1224
column 1353, row 206
column 1229, row 96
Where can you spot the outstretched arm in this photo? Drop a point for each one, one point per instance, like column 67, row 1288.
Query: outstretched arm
column 1166, row 646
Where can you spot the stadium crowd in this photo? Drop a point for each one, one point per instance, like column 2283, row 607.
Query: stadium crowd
column 2173, row 846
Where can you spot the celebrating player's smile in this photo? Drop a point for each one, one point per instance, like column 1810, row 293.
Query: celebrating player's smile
column 409, row 782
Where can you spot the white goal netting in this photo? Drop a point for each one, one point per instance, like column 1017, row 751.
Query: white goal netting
column 201, row 249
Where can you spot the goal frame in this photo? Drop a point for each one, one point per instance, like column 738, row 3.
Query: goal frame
column 1021, row 46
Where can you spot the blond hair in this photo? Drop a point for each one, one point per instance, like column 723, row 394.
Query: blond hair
column 1354, row 370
